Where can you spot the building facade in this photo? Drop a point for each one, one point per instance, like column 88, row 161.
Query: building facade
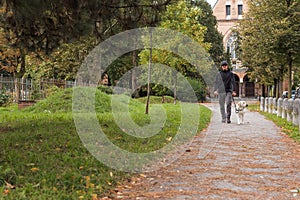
column 228, row 13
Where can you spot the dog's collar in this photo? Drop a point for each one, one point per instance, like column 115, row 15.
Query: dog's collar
column 238, row 110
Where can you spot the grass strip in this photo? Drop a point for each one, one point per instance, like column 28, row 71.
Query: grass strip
column 42, row 156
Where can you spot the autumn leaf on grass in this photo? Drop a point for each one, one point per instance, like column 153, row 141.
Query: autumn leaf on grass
column 94, row 196
column 35, row 169
column 6, row 192
column 108, row 182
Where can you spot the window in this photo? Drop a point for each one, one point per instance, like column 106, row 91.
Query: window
column 231, row 45
column 240, row 9
column 227, row 10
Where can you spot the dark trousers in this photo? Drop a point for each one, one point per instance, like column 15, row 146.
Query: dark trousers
column 225, row 99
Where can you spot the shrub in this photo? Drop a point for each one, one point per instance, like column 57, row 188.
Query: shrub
column 199, row 88
column 105, row 89
column 4, row 98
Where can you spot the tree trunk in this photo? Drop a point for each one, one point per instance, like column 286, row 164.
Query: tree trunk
column 290, row 64
column 275, row 91
column 175, row 88
column 133, row 75
column 149, row 73
column 19, row 75
column 17, row 89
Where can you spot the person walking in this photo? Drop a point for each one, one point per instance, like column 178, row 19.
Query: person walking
column 224, row 87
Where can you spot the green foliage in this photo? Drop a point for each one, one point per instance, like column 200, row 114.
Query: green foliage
column 63, row 63
column 212, row 35
column 105, row 89
column 182, row 18
column 69, row 29
column 270, row 38
column 156, row 99
column 7, row 175
column 4, row 98
column 61, row 101
column 199, row 89
column 119, row 67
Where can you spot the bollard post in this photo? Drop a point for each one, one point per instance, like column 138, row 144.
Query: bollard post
column 279, row 107
column 266, row 104
column 296, row 109
column 274, row 106
column 290, row 110
column 262, row 103
column 270, row 104
column 284, row 107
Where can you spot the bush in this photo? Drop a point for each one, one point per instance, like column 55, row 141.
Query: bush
column 105, row 89
column 199, row 89
column 4, row 98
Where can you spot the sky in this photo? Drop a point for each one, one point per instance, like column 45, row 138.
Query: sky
column 211, row 2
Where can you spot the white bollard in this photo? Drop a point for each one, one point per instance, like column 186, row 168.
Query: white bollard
column 274, row 110
column 266, row 104
column 279, row 107
column 262, row 103
column 296, row 110
column 290, row 110
column 284, row 108
column 270, row 104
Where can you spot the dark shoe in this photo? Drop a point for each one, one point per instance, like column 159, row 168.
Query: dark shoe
column 228, row 121
column 223, row 120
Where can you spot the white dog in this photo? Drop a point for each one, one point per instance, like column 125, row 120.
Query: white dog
column 240, row 108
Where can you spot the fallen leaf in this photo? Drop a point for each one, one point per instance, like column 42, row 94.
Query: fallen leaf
column 34, row 169
column 143, row 175
column 109, row 183
column 94, row 196
column 6, row 192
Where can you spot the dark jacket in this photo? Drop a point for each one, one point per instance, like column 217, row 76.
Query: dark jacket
column 224, row 82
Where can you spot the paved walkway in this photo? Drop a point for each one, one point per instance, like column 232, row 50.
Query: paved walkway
column 227, row 161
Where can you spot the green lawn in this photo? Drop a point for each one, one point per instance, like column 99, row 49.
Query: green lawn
column 42, row 156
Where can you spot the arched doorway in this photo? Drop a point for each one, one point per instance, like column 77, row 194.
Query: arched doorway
column 249, row 87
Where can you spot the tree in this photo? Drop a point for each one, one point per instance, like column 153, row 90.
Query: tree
column 184, row 19
column 42, row 27
column 270, row 38
column 39, row 27
column 63, row 63
column 212, row 35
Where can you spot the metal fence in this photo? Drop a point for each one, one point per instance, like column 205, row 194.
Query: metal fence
column 30, row 89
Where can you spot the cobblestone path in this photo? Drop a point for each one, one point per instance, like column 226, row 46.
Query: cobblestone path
column 226, row 161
